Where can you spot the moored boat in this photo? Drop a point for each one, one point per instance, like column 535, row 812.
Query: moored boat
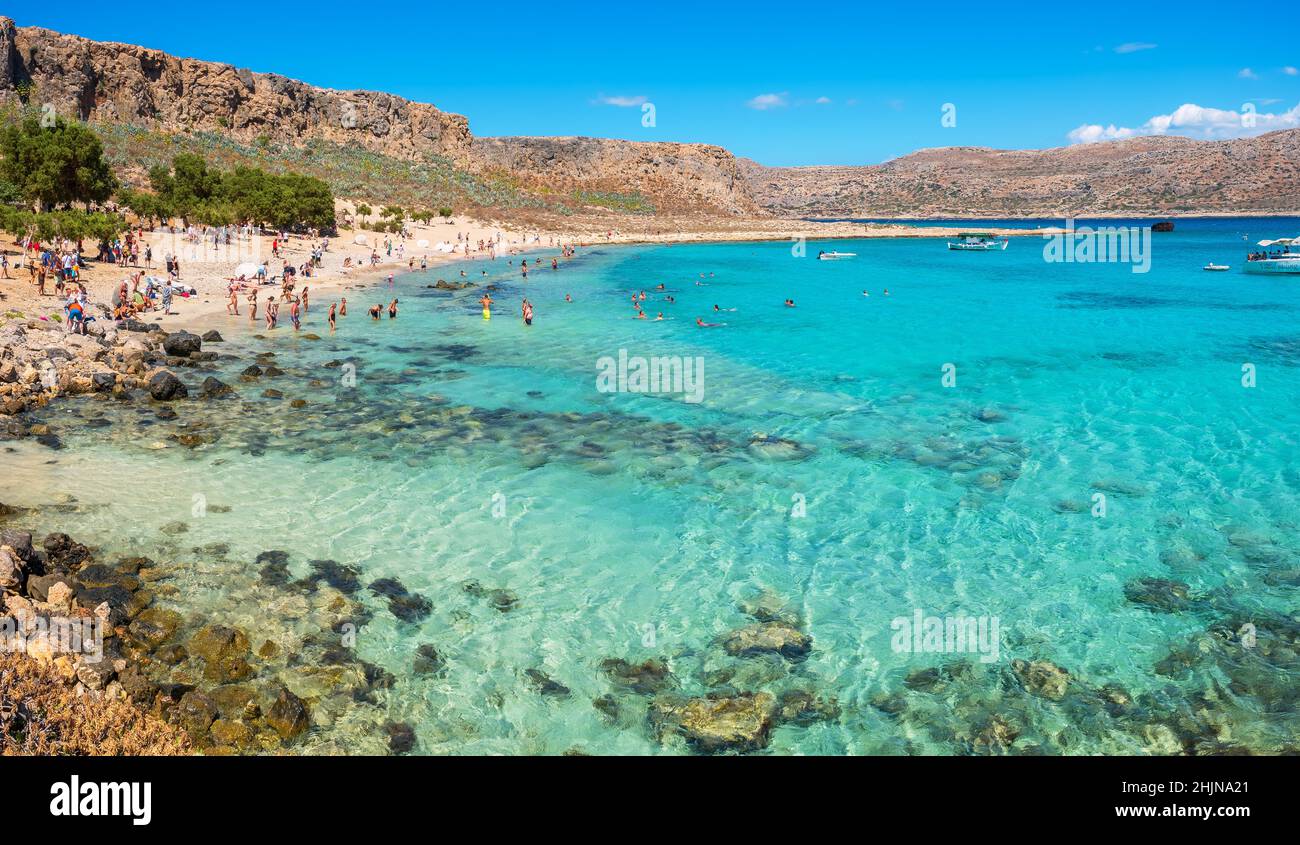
column 1275, row 257
column 835, row 256
column 977, row 242
column 1216, row 268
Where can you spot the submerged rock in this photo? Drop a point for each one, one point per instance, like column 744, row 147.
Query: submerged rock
column 736, row 723
column 288, row 715
column 401, row 737
column 1158, row 594
column 777, row 637
column 1042, row 678
column 427, row 660
column 646, row 678
column 545, row 684
column 405, row 605
column 214, row 388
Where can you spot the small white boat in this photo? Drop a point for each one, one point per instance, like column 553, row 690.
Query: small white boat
column 1216, row 268
column 978, row 242
column 1281, row 260
column 835, row 256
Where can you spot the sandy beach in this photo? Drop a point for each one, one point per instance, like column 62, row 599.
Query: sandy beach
column 210, row 274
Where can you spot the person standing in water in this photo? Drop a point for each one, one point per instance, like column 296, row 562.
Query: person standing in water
column 295, row 314
column 392, row 310
column 486, row 302
column 343, row 307
column 332, row 315
column 528, row 313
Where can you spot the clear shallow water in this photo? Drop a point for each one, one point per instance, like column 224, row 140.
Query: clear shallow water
column 625, row 511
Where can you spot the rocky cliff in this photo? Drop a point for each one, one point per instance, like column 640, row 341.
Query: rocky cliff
column 124, row 84
column 1149, row 175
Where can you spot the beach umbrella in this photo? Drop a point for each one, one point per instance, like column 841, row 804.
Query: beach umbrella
column 359, row 240
column 247, row 269
column 422, row 243
column 444, row 247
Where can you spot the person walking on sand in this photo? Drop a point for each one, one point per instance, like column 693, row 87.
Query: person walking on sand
column 232, row 307
column 4, row 265
column 167, row 296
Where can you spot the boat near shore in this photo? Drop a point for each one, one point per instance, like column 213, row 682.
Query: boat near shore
column 978, row 242
column 835, row 256
column 1279, row 261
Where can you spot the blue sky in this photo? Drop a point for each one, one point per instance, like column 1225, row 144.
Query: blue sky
column 748, row 76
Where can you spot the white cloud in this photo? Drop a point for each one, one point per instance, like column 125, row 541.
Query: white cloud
column 1193, row 121
column 823, row 101
column 763, row 102
column 1290, row 71
column 621, row 102
column 1134, row 46
column 1246, row 73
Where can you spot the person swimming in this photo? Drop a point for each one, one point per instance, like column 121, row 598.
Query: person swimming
column 789, row 303
column 864, row 293
column 568, row 298
column 699, row 321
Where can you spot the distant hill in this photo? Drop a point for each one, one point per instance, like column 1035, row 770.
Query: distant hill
column 1161, row 175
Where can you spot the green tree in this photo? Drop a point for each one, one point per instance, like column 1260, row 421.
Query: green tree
column 363, row 211
column 54, row 165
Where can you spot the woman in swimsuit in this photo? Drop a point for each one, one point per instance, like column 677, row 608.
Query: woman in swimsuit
column 333, row 313
column 392, row 310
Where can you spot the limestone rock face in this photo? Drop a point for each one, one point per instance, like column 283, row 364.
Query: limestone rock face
column 127, row 84
column 124, row 83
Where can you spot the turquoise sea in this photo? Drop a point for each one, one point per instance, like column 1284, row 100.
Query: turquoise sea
column 830, row 469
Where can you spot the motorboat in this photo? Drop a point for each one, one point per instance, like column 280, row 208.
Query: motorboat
column 977, row 242
column 1276, row 256
column 1216, row 268
column 835, row 256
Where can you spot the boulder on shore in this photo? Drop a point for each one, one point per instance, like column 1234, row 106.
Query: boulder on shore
column 165, row 386
column 182, row 344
